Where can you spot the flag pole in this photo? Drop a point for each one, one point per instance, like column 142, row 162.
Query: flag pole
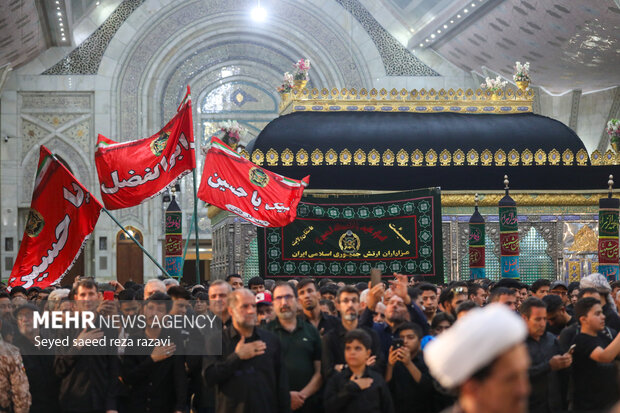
column 136, row 241
column 189, row 236
column 196, row 225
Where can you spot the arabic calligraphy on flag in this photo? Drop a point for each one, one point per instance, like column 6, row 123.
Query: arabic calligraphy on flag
column 132, row 172
column 62, row 216
column 233, row 183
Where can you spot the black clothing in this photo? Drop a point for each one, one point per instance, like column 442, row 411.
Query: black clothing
column 43, row 383
column 540, row 370
column 612, row 319
column 555, row 330
column 409, row 396
column 595, row 384
column 88, row 382
column 256, row 385
column 159, row 387
column 326, row 324
column 385, row 332
column 344, row 396
column 333, row 351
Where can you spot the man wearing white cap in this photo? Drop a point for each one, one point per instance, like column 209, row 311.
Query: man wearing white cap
column 484, row 357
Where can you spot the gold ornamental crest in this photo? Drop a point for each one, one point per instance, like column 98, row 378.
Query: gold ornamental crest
column 34, row 223
column 158, row 145
column 349, row 242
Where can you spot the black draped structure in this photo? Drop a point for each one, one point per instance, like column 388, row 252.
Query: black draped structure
column 384, row 131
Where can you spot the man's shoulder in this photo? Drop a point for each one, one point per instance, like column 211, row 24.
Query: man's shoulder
column 266, row 334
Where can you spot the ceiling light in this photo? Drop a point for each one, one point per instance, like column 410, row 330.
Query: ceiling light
column 57, row 2
column 59, row 13
column 98, row 3
column 432, row 36
column 465, row 10
column 60, row 24
column 57, row 7
column 421, row 44
column 445, row 26
column 64, row 38
column 458, row 16
column 426, row 40
column 473, row 5
column 438, row 31
column 258, row 14
column 451, row 21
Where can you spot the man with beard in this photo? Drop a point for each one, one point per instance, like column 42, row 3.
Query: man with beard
column 348, row 303
column 250, row 375
column 309, row 298
column 301, row 345
column 396, row 313
column 88, row 383
column 39, row 365
column 156, row 380
column 219, row 291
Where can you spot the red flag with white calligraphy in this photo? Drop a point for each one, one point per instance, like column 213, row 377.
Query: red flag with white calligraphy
column 231, row 182
column 62, row 216
column 132, row 172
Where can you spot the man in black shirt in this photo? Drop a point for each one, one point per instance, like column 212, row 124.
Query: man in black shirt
column 544, row 352
column 557, row 317
column 348, row 302
column 250, row 375
column 88, row 383
column 595, row 375
column 357, row 388
column 309, row 298
column 156, row 381
column 407, row 375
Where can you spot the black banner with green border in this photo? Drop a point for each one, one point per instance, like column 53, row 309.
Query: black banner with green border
column 343, row 236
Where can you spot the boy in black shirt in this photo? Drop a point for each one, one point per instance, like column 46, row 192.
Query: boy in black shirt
column 357, row 389
column 594, row 370
column 407, row 375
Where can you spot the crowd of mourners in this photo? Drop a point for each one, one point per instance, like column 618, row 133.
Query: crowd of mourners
column 306, row 345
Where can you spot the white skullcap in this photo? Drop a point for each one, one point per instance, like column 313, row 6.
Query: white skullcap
column 472, row 343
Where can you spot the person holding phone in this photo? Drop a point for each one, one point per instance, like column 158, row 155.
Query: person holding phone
column 544, row 352
column 407, row 375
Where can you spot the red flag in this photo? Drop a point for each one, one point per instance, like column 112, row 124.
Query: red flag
column 62, row 216
column 132, row 172
column 231, row 182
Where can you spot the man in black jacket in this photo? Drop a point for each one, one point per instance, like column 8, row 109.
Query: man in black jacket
column 250, row 375
column 88, row 383
column 39, row 364
column 544, row 352
column 157, row 380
